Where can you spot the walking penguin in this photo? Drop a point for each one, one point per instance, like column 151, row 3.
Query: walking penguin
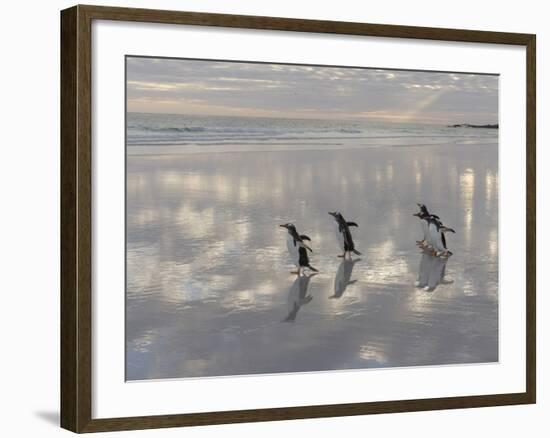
column 297, row 248
column 436, row 237
column 343, row 234
column 424, row 216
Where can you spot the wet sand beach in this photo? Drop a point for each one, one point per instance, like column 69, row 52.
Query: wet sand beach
column 209, row 289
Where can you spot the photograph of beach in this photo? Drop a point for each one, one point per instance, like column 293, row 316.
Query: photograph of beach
column 285, row 218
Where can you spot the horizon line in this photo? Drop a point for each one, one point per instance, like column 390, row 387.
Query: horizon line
column 358, row 119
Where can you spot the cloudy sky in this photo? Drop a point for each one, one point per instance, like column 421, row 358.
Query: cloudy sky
column 297, row 91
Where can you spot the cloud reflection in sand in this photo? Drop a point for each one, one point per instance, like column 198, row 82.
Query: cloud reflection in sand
column 208, row 273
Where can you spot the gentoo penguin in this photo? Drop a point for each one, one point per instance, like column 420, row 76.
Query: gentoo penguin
column 343, row 277
column 297, row 296
column 423, row 215
column 343, row 234
column 436, row 237
column 298, row 249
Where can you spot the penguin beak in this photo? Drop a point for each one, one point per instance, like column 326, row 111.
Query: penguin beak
column 416, row 214
column 283, row 226
column 331, row 213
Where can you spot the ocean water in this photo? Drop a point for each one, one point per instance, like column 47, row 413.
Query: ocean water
column 209, row 289
column 179, row 133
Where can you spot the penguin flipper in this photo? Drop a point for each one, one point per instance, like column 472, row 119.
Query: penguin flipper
column 356, row 252
column 352, row 224
column 305, row 237
column 312, row 268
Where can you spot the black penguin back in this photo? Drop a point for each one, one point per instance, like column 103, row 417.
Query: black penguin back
column 303, row 259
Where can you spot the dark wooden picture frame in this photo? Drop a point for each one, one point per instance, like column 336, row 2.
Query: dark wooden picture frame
column 76, row 218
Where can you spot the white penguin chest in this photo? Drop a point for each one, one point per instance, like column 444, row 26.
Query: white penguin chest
column 435, row 237
column 424, row 228
column 293, row 249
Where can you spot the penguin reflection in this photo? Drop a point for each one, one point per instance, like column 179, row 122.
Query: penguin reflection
column 343, row 277
column 297, row 296
column 431, row 271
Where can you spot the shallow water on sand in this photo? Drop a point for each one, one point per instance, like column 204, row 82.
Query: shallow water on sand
column 209, row 289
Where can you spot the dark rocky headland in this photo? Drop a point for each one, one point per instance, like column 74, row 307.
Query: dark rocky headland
column 469, row 125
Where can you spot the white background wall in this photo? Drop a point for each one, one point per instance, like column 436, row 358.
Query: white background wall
column 29, row 214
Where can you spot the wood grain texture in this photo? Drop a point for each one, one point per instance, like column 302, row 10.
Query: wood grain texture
column 76, row 217
column 303, row 412
column 299, row 25
column 69, row 330
column 531, row 219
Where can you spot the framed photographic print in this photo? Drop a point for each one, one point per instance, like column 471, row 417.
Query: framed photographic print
column 269, row 218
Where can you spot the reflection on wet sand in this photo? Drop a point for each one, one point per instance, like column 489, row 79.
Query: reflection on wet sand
column 297, row 296
column 343, row 277
column 431, row 271
column 207, row 269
